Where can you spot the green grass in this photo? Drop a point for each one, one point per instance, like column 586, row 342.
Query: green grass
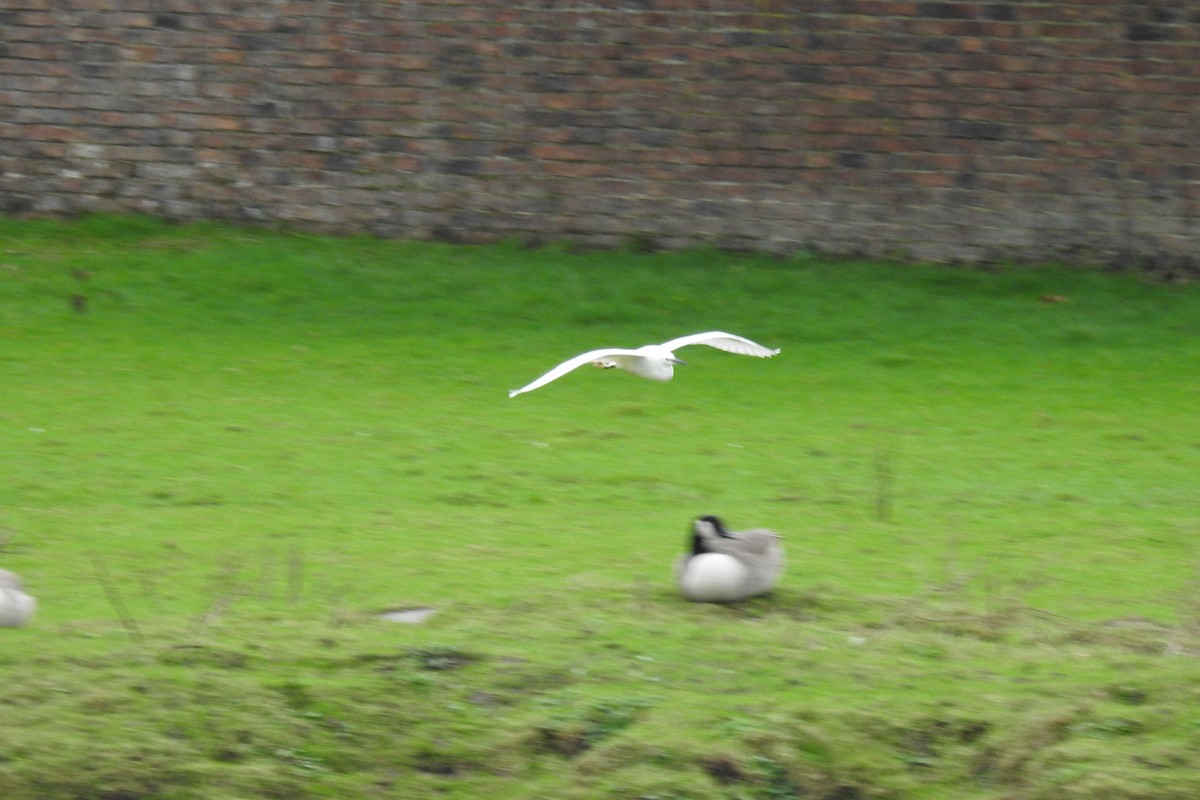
column 225, row 450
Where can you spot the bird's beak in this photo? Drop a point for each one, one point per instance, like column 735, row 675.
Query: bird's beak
column 678, row 361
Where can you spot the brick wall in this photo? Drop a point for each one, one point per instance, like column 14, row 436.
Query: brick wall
column 939, row 130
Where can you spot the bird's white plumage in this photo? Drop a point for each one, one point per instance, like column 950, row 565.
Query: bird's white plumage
column 652, row 361
column 726, row 566
column 10, row 580
column 573, row 363
column 712, row 578
column 728, row 342
column 16, row 607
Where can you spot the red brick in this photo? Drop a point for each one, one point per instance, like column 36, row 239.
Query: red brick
column 829, row 127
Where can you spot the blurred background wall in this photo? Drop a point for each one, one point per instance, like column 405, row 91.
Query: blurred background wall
column 950, row 131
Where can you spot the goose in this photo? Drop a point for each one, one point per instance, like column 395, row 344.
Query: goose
column 16, row 607
column 725, row 566
column 653, row 361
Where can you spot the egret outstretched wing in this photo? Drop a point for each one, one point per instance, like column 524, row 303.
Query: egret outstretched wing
column 653, row 361
column 573, row 363
column 729, row 342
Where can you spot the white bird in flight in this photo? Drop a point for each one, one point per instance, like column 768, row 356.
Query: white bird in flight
column 654, row 361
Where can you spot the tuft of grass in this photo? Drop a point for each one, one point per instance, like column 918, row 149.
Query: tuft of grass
column 225, row 449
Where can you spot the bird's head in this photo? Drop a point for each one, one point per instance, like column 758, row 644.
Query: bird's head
column 656, row 352
column 707, row 529
column 669, row 356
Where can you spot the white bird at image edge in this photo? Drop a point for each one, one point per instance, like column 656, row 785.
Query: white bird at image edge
column 654, row 361
column 16, row 607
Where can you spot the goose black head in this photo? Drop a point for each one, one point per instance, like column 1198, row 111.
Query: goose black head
column 704, row 530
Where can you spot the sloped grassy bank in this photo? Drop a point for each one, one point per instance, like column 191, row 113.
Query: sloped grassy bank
column 227, row 451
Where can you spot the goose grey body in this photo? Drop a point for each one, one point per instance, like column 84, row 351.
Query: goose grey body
column 725, row 566
column 654, row 362
column 16, row 607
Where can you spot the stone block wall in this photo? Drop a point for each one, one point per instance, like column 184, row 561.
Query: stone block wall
column 949, row 130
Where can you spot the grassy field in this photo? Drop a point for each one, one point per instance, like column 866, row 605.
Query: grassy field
column 226, row 451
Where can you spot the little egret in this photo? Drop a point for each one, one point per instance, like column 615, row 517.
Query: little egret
column 726, row 566
column 654, row 361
